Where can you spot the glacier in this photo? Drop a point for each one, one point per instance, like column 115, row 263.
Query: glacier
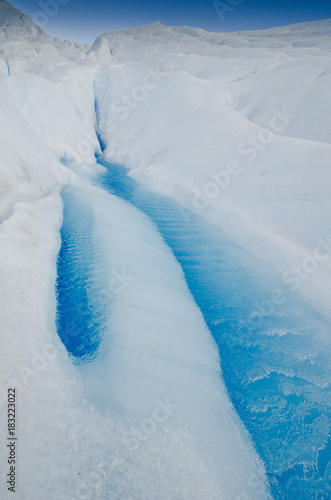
column 166, row 324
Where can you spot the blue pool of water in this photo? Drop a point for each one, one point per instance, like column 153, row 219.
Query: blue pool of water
column 80, row 319
column 275, row 373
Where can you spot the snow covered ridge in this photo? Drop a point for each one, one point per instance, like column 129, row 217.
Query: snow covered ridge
column 15, row 23
column 159, row 37
column 27, row 48
column 235, row 126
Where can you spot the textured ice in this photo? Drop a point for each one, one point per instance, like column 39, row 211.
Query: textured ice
column 275, row 366
column 175, row 106
column 138, row 340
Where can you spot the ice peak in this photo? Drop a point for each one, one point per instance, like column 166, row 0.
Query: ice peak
column 155, row 23
column 7, row 11
column 13, row 21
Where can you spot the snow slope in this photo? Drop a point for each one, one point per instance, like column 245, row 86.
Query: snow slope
column 177, row 106
column 250, row 108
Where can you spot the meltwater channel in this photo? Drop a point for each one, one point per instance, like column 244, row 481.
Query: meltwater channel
column 275, row 373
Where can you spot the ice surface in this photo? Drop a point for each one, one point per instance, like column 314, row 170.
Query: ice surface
column 177, row 107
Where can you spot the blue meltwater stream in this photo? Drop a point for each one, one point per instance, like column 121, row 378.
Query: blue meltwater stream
column 274, row 369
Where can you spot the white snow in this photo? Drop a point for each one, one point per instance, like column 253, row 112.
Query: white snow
column 215, row 101
column 174, row 105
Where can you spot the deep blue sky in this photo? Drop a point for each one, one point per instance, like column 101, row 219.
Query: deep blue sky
column 83, row 20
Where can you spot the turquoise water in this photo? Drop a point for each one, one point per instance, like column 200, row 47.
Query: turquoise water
column 275, row 373
column 80, row 318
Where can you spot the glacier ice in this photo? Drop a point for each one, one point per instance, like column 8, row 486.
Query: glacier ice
column 176, row 106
